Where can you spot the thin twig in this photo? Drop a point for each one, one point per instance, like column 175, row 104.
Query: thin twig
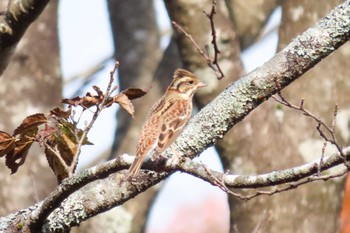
column 212, row 63
column 189, row 36
column 321, row 159
column 58, row 156
column 210, row 16
column 99, row 108
column 220, row 184
column 320, row 123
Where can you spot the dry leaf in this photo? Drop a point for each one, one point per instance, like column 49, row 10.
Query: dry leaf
column 7, row 143
column 125, row 103
column 85, row 102
column 63, row 143
column 20, row 153
column 134, row 93
column 88, row 100
column 29, row 122
column 75, row 101
column 98, row 91
column 58, row 169
column 59, row 112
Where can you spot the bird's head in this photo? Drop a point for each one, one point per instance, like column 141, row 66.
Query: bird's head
column 185, row 82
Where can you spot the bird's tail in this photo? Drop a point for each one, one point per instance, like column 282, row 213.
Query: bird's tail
column 135, row 167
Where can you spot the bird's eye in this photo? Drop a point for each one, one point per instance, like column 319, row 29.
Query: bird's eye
column 190, row 82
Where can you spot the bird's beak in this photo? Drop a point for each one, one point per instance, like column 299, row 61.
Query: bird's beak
column 200, row 84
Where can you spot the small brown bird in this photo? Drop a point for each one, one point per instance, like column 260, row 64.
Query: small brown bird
column 166, row 119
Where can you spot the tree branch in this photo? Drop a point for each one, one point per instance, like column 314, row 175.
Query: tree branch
column 264, row 180
column 17, row 18
column 76, row 200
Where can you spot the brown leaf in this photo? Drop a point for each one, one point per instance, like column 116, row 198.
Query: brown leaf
column 109, row 102
column 58, row 169
column 75, row 101
column 7, row 143
column 98, row 91
column 125, row 103
column 67, row 148
column 30, row 122
column 64, row 142
column 60, row 151
column 134, row 93
column 59, row 112
column 20, row 153
column 86, row 102
column 91, row 100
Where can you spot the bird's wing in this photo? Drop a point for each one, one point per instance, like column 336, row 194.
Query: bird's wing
column 163, row 125
column 172, row 123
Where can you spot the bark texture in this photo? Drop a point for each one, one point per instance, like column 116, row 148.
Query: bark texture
column 137, row 48
column 276, row 138
column 189, row 15
column 32, row 83
column 14, row 23
column 250, row 17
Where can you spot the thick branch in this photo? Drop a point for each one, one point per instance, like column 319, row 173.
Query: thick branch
column 102, row 195
column 17, row 18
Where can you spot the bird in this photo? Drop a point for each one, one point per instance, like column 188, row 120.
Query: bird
column 166, row 118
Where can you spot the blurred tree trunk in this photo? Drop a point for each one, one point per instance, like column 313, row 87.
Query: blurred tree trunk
column 249, row 18
column 137, row 48
column 272, row 138
column 32, row 83
column 190, row 16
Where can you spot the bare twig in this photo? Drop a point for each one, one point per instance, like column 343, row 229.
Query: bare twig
column 189, row 36
column 212, row 63
column 321, row 159
column 58, row 156
column 99, row 108
column 220, row 183
column 320, row 123
column 217, row 68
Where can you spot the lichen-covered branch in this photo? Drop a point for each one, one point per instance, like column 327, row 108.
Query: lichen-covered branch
column 243, row 96
column 104, row 191
column 13, row 24
column 264, row 180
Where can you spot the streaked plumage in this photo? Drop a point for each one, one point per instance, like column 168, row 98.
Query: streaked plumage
column 166, row 118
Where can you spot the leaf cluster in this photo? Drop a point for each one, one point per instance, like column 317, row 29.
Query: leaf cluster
column 58, row 133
